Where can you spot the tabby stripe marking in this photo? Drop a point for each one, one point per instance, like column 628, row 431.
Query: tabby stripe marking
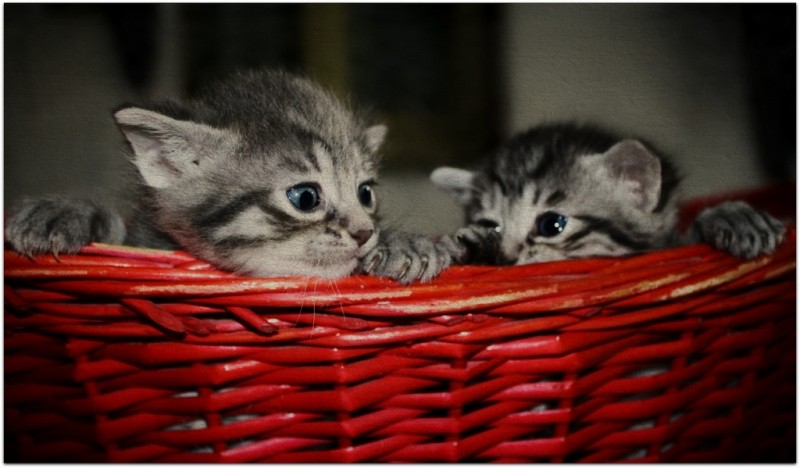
column 241, row 242
column 617, row 235
column 575, row 237
column 308, row 139
column 209, row 217
column 546, row 161
column 536, row 195
column 497, row 180
column 557, row 197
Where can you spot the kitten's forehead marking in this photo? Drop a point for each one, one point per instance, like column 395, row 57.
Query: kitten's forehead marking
column 319, row 154
column 341, row 170
column 349, row 161
column 536, row 195
column 312, row 154
column 556, row 198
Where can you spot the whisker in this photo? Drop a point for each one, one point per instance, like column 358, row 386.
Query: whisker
column 302, row 302
column 335, row 287
column 313, row 312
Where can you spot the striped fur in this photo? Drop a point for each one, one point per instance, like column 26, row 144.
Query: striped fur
column 280, row 131
column 567, row 191
column 617, row 196
column 215, row 172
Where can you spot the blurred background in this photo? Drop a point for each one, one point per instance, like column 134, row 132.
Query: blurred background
column 712, row 85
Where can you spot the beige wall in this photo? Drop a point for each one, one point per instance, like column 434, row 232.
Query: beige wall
column 673, row 74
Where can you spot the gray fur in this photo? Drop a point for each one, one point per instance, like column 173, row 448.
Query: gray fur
column 409, row 257
column 737, row 228
column 213, row 175
column 58, row 225
column 616, row 196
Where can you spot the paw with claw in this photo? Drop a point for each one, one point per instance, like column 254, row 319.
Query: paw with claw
column 57, row 225
column 407, row 257
column 481, row 245
column 739, row 229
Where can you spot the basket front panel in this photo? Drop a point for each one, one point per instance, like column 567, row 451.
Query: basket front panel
column 681, row 355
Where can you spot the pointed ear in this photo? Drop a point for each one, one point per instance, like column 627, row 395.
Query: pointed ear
column 374, row 136
column 168, row 150
column 636, row 171
column 456, row 181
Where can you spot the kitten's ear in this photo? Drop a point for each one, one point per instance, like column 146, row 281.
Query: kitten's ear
column 456, row 181
column 167, row 150
column 374, row 137
column 636, row 171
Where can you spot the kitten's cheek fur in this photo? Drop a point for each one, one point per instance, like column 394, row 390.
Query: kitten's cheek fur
column 540, row 254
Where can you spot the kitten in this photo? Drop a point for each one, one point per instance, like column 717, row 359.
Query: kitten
column 564, row 191
column 264, row 174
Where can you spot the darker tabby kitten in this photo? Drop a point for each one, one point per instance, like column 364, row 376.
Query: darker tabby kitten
column 567, row 191
column 264, row 174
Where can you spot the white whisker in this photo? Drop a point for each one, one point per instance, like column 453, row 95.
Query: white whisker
column 335, row 287
column 313, row 311
column 302, row 302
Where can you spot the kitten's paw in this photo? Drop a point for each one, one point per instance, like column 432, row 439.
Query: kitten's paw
column 739, row 229
column 481, row 244
column 56, row 225
column 409, row 257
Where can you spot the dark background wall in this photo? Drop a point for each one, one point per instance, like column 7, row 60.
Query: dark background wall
column 714, row 85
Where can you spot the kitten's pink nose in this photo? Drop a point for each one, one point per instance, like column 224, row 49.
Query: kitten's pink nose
column 361, row 236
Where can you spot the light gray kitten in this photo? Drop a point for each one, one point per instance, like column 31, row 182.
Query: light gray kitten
column 264, row 174
column 564, row 191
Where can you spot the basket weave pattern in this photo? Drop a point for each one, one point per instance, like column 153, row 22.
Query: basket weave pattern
column 132, row 355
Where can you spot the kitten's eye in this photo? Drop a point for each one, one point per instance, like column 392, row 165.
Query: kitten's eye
column 304, row 197
column 550, row 224
column 365, row 194
column 488, row 224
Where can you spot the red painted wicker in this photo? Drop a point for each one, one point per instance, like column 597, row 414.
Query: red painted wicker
column 130, row 355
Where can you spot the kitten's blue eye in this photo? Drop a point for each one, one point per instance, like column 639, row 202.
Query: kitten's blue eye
column 304, row 197
column 550, row 224
column 365, row 194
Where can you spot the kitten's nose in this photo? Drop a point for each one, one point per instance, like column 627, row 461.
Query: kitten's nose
column 361, row 236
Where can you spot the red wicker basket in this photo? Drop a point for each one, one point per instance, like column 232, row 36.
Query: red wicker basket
column 130, row 355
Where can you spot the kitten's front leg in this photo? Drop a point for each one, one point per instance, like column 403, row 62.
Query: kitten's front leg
column 481, row 245
column 739, row 229
column 408, row 257
column 57, row 225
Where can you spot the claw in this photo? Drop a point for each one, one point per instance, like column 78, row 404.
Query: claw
column 373, row 262
column 27, row 251
column 423, row 268
column 55, row 246
column 406, row 267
